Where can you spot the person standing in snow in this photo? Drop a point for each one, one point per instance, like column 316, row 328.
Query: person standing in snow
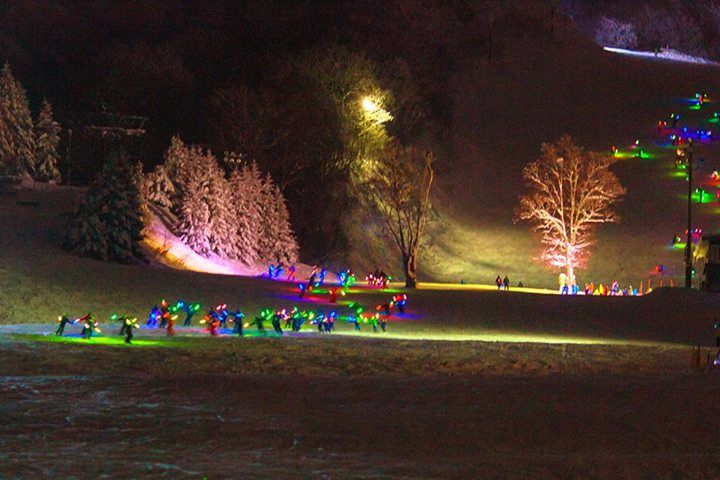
column 276, row 322
column 90, row 325
column 63, row 320
column 563, row 283
column 238, row 318
column 129, row 324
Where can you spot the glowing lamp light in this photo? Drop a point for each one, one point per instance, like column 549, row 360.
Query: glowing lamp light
column 369, row 105
column 374, row 110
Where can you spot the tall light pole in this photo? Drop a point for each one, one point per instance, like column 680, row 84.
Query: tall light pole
column 688, row 244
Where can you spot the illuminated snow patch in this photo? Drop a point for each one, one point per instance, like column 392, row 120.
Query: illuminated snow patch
column 670, row 55
column 169, row 250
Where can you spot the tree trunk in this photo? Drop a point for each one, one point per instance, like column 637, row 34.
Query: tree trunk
column 410, row 265
column 570, row 271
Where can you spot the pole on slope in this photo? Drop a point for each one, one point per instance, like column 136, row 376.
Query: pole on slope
column 688, row 244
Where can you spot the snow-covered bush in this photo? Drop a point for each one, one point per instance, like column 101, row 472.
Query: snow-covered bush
column 614, row 33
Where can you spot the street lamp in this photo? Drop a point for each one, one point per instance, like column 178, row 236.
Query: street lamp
column 369, row 105
column 374, row 111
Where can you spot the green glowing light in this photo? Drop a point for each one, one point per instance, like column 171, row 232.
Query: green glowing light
column 97, row 340
column 702, row 196
column 679, row 174
column 500, row 336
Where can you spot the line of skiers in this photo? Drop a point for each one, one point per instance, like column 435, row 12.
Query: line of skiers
column 165, row 315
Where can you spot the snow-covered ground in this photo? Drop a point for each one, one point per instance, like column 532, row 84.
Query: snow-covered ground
column 663, row 54
column 535, row 91
column 169, row 250
column 338, row 407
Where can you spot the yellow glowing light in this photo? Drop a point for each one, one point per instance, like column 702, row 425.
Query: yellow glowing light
column 369, row 105
column 374, row 111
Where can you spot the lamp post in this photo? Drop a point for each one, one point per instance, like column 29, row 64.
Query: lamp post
column 688, row 244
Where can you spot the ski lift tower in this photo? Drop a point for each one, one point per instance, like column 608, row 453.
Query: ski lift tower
column 123, row 132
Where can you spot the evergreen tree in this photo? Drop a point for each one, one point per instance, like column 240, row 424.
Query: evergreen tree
column 266, row 207
column 46, row 142
column 192, row 207
column 160, row 189
column 244, row 217
column 285, row 247
column 17, row 138
column 277, row 242
column 108, row 224
column 223, row 217
column 143, row 190
column 176, row 155
column 247, row 213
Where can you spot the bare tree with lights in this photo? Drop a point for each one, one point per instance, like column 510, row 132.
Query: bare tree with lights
column 400, row 191
column 571, row 191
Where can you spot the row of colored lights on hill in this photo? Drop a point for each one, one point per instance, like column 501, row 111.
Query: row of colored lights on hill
column 678, row 137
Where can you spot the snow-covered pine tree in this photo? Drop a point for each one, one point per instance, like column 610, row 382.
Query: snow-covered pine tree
column 285, row 248
column 46, row 142
column 247, row 212
column 223, row 218
column 263, row 199
column 176, row 154
column 143, row 191
column 228, row 217
column 17, row 138
column 108, row 224
column 191, row 205
column 278, row 242
column 160, row 189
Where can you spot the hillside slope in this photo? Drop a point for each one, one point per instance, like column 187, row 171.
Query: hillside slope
column 536, row 90
column 39, row 280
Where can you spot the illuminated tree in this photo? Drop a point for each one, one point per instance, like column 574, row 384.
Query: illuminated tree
column 399, row 189
column 206, row 219
column 571, row 191
column 160, row 189
column 17, row 138
column 244, row 217
column 46, row 142
column 277, row 239
column 244, row 183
